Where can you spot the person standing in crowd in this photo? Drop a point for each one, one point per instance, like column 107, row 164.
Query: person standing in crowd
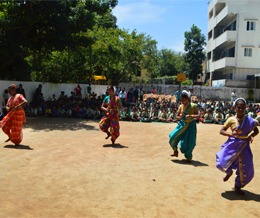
column 177, row 95
column 89, row 89
column 186, row 130
column 236, row 153
column 154, row 91
column 138, row 88
column 111, row 105
column 122, row 95
column 37, row 95
column 62, row 95
column 12, row 123
column 136, row 94
column 233, row 96
column 5, row 96
column 118, row 90
column 130, row 95
column 78, row 91
column 20, row 90
column 141, row 94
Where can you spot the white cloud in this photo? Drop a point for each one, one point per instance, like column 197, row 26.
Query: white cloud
column 139, row 13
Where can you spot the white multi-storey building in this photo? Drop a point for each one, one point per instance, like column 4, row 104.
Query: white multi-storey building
column 233, row 47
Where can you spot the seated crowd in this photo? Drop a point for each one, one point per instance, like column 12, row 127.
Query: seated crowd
column 135, row 109
column 165, row 111
column 64, row 106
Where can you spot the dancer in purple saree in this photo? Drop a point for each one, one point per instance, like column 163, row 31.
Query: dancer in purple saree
column 236, row 152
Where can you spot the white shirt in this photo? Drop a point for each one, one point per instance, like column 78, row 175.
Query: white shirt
column 122, row 94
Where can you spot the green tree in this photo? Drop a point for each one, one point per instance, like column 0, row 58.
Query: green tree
column 119, row 53
column 114, row 53
column 40, row 27
column 68, row 65
column 194, row 48
column 165, row 62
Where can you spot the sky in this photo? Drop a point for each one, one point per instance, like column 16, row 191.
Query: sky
column 164, row 20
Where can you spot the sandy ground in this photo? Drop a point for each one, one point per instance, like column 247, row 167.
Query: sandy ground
column 66, row 168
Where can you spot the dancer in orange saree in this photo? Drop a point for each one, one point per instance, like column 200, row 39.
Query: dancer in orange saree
column 111, row 105
column 12, row 123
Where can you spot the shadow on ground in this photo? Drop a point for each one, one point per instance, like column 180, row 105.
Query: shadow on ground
column 26, row 147
column 114, row 146
column 233, row 196
column 49, row 124
column 193, row 163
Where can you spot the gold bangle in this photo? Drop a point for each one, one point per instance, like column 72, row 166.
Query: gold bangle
column 227, row 134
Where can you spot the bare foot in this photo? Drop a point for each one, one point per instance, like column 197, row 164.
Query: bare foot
column 226, row 178
column 238, row 190
column 189, row 160
column 108, row 135
column 175, row 154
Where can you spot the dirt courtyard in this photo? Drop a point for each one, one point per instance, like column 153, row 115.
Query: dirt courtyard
column 66, row 168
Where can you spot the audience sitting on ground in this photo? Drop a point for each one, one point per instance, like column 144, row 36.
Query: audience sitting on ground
column 135, row 110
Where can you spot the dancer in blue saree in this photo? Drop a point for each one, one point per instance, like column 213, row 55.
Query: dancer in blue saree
column 186, row 130
column 236, row 153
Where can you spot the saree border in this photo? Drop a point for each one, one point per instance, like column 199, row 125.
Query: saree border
column 240, row 167
column 184, row 128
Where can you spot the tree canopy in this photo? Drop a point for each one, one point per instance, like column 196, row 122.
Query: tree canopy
column 165, row 62
column 41, row 27
column 194, row 47
column 73, row 40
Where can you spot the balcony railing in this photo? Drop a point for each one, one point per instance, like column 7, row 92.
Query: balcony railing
column 224, row 62
column 226, row 36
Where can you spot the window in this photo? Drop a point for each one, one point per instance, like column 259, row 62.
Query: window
column 248, row 52
column 211, row 14
column 250, row 26
column 232, row 26
column 229, row 76
column 209, row 55
column 210, row 35
column 251, row 77
column 229, row 53
column 138, row 73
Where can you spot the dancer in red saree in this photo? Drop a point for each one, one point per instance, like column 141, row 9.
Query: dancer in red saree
column 111, row 105
column 12, row 123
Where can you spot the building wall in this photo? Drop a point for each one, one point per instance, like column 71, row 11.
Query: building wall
column 48, row 89
column 241, row 11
